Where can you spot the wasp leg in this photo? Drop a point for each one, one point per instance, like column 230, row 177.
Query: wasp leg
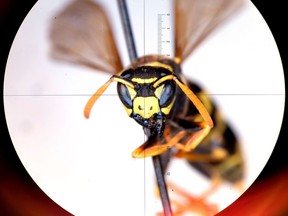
column 152, row 149
column 194, row 138
column 216, row 155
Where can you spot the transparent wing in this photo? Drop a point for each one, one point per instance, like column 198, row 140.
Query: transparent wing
column 195, row 20
column 81, row 34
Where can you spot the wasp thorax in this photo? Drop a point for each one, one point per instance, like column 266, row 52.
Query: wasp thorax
column 147, row 96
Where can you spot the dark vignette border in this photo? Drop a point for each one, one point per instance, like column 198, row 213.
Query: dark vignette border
column 20, row 195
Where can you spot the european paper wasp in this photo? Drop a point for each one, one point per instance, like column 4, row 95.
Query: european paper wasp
column 178, row 117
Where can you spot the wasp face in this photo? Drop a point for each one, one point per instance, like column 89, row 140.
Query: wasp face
column 147, row 96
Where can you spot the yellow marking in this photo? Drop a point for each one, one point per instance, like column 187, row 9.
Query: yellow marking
column 159, row 64
column 158, row 91
column 193, row 98
column 132, row 92
column 206, row 101
column 129, row 111
column 161, row 80
column 142, row 81
column 146, row 106
column 231, row 162
column 177, row 60
column 219, row 153
column 197, row 118
column 121, row 80
column 166, row 110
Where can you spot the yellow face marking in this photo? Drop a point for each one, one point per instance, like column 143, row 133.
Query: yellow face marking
column 129, row 111
column 146, row 106
column 142, row 81
column 132, row 92
column 158, row 91
column 166, row 110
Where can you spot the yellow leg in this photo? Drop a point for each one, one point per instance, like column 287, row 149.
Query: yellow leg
column 195, row 139
column 157, row 148
column 216, row 155
column 152, row 149
column 185, row 203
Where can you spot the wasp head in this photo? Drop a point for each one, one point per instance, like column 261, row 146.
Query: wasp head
column 147, row 96
column 148, row 93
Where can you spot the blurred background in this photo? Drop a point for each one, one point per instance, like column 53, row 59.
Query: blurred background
column 19, row 195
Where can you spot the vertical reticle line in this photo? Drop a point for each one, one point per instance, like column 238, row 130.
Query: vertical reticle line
column 133, row 56
column 144, row 52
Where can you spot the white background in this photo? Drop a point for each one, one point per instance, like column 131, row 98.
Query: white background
column 86, row 165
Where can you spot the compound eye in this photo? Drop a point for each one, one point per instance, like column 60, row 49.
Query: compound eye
column 167, row 94
column 124, row 95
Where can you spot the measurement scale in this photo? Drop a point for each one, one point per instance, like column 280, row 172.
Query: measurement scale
column 164, row 34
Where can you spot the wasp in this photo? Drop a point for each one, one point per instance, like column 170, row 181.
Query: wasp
column 177, row 115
